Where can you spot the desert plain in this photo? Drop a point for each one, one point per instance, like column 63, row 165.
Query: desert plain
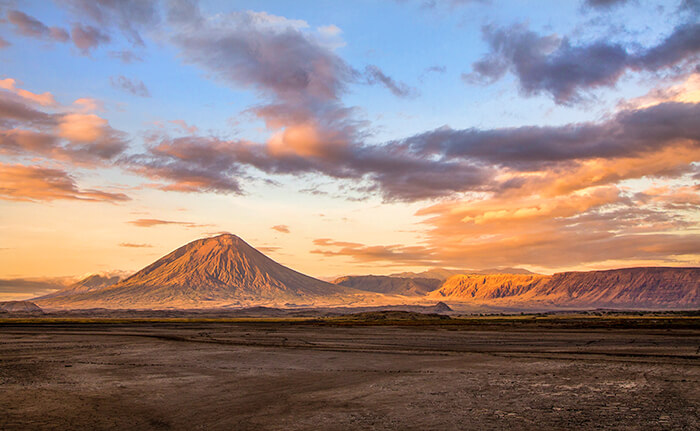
column 381, row 371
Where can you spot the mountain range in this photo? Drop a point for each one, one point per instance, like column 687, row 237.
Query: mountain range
column 226, row 272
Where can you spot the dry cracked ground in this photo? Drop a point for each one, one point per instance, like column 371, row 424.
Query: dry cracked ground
column 283, row 376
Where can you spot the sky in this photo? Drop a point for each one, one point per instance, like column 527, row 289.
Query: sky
column 348, row 137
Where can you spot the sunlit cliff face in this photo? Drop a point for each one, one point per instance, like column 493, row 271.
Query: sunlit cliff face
column 381, row 137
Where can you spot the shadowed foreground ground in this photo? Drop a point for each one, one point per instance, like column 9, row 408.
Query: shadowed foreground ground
column 282, row 375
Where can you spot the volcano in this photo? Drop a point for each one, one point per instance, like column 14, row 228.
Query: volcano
column 211, row 272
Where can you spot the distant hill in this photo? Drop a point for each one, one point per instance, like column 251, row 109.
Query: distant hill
column 217, row 271
column 19, row 307
column 444, row 273
column 389, row 285
column 88, row 284
column 662, row 288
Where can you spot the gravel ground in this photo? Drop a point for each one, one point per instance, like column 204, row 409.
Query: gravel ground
column 283, row 376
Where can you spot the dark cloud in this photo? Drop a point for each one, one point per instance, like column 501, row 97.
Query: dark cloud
column 553, row 65
column 192, row 164
column 605, row 4
column 692, row 6
column 29, row 26
column 399, row 89
column 208, row 164
column 130, row 16
column 132, row 86
column 35, row 183
column 14, row 112
column 303, row 79
column 86, row 38
column 628, row 133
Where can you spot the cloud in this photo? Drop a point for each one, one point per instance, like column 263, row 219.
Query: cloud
column 627, row 133
column 398, row 89
column 45, row 99
column 450, row 4
column 85, row 139
column 126, row 57
column 268, row 52
column 4, row 43
column 605, row 4
column 133, row 86
column 35, row 183
column 24, row 288
column 192, row 164
column 81, row 127
column 595, row 227
column 134, row 245
column 553, row 65
column 86, row 104
column 282, row 228
column 561, row 196
column 268, row 249
column 182, row 124
column 591, row 226
column 432, row 164
column 131, row 17
column 200, row 164
column 396, row 254
column 436, row 69
column 31, row 27
column 86, row 37
column 150, row 222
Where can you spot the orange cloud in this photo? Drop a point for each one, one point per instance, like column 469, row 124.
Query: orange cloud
column 33, row 183
column 184, row 126
column 44, row 99
column 282, row 228
column 305, row 140
column 397, row 254
column 82, row 127
column 134, row 245
column 687, row 91
column 150, row 222
column 86, row 104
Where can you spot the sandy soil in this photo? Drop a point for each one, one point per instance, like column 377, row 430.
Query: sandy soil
column 286, row 376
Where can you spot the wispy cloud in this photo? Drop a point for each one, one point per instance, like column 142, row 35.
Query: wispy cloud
column 282, row 228
column 132, row 86
column 134, row 245
column 31, row 27
column 150, row 222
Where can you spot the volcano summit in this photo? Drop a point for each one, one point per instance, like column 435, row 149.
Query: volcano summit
column 206, row 273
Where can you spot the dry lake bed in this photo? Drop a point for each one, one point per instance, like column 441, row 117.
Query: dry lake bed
column 287, row 375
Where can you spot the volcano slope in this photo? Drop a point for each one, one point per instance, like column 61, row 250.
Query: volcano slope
column 212, row 272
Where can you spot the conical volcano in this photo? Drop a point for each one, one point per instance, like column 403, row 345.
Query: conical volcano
column 210, row 272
